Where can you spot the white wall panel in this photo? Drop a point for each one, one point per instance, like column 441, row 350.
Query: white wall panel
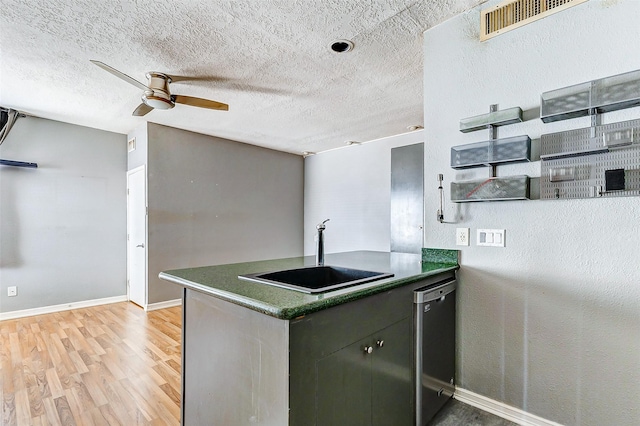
column 352, row 187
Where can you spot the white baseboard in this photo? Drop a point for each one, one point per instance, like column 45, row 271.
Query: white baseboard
column 59, row 308
column 500, row 409
column 162, row 305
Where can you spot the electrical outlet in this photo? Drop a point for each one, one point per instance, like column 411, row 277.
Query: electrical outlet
column 12, row 291
column 462, row 236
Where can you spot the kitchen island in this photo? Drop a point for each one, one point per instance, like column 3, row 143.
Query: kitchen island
column 258, row 354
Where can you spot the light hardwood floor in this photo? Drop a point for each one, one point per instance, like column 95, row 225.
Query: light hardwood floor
column 112, row 365
column 107, row 365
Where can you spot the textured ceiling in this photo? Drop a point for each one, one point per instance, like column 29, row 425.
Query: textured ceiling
column 269, row 60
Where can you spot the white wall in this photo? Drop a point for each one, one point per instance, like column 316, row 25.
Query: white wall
column 551, row 323
column 215, row 201
column 62, row 225
column 352, row 187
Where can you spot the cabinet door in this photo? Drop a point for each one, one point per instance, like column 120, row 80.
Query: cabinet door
column 355, row 387
column 343, row 387
column 392, row 375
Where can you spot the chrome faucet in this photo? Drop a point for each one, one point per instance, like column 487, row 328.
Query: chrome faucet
column 320, row 245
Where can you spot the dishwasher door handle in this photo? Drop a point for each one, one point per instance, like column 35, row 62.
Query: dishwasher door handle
column 434, row 293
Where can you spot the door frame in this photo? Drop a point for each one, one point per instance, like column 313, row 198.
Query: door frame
column 138, row 169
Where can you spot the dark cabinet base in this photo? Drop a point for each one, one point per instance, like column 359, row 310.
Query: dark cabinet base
column 336, row 381
column 369, row 381
column 350, row 364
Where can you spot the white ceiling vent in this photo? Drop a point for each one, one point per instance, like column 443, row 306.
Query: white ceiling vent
column 511, row 14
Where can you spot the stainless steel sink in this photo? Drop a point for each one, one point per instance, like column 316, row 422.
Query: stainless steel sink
column 316, row 279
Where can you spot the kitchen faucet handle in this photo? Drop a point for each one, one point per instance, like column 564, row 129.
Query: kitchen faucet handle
column 321, row 225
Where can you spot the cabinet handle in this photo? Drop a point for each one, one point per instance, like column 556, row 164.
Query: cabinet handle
column 380, row 343
column 368, row 349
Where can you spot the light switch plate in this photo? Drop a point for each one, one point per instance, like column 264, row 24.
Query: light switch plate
column 12, row 291
column 462, row 236
column 491, row 237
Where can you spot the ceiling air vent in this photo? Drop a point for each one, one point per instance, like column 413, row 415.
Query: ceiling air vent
column 512, row 14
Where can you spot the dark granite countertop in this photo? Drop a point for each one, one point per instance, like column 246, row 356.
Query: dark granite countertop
column 222, row 281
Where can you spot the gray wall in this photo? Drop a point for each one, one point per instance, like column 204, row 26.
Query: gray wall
column 215, row 201
column 550, row 323
column 62, row 225
column 352, row 187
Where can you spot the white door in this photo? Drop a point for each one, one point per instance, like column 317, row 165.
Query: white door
column 137, row 236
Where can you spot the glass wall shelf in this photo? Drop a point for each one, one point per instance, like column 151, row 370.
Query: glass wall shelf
column 597, row 96
column 494, row 151
column 491, row 189
column 496, row 118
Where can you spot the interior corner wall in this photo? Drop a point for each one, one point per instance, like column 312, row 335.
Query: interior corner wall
column 551, row 322
column 351, row 186
column 62, row 225
column 215, row 201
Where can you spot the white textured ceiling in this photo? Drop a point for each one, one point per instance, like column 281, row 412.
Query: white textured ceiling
column 269, row 60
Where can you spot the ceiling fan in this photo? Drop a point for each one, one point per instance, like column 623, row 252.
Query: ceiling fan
column 156, row 94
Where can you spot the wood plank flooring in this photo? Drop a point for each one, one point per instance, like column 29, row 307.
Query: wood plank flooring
column 106, row 365
column 112, row 365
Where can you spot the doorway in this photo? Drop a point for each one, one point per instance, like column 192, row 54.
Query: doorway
column 137, row 236
column 407, row 198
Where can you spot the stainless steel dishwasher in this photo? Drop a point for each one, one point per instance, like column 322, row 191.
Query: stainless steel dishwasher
column 435, row 346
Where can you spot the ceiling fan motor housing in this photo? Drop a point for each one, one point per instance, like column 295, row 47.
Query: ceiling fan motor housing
column 158, row 95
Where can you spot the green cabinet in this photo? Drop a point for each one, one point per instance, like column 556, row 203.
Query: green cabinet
column 343, row 379
column 369, row 381
column 347, row 365
column 392, row 372
column 334, row 381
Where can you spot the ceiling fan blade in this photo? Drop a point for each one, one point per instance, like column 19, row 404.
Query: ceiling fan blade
column 224, row 82
column 199, row 102
column 143, row 109
column 120, row 75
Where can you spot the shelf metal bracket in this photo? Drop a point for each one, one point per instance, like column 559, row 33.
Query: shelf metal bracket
column 493, row 134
